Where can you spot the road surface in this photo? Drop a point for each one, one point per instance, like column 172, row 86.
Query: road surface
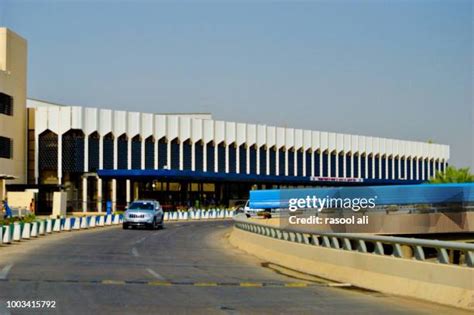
column 186, row 268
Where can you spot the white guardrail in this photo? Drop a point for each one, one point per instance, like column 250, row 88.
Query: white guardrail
column 16, row 232
column 424, row 250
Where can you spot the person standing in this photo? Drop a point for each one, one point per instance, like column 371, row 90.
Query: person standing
column 8, row 210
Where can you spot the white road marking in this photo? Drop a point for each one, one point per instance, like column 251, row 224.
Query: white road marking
column 140, row 240
column 155, row 274
column 5, row 271
column 135, row 252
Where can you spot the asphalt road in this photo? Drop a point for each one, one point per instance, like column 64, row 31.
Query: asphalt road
column 185, row 268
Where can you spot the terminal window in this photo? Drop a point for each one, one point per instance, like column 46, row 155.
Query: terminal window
column 6, row 104
column 6, row 148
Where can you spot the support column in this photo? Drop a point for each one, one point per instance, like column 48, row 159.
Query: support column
column 181, row 155
column 84, row 194
column 359, row 164
column 204, row 157
column 277, row 161
column 99, row 194
column 329, row 164
column 320, row 163
column 304, row 162
column 344, row 164
column 429, row 169
column 60, row 158
column 267, row 167
column 237, row 159
column 313, row 167
column 128, row 197
column 193, row 156
column 114, row 195
column 142, row 153
column 423, row 177
column 257, row 160
column 226, row 148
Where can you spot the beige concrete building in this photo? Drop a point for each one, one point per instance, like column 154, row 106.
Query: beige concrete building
column 13, row 80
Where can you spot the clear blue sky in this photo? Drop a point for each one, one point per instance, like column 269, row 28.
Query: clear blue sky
column 397, row 69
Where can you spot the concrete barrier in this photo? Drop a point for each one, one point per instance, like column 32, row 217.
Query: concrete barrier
column 57, row 225
column 16, row 232
column 49, row 226
column 108, row 219
column 67, row 224
column 42, row 227
column 92, row 221
column 34, row 229
column 7, row 235
column 166, row 216
column 26, row 232
column 440, row 283
column 101, row 221
column 84, row 223
column 77, row 224
column 116, row 219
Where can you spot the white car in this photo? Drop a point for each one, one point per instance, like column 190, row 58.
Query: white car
column 144, row 213
column 249, row 212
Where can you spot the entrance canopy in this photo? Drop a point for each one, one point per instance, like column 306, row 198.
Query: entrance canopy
column 198, row 176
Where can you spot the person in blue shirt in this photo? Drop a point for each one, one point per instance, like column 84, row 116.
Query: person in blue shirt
column 8, row 210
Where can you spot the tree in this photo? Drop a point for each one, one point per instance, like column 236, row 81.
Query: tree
column 453, row 175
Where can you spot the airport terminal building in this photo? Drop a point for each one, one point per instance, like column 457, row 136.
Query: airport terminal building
column 98, row 155
column 183, row 159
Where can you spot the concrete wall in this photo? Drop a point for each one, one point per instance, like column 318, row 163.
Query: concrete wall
column 438, row 283
column 13, row 64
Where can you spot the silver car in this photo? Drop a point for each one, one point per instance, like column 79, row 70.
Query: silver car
column 144, row 213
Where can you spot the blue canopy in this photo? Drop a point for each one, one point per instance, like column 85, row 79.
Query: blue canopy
column 199, row 176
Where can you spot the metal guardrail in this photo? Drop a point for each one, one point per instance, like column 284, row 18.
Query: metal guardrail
column 430, row 251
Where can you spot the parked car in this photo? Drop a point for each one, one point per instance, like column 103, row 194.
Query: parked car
column 144, row 213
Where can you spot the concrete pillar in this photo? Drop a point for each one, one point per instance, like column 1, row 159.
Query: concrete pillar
column 429, row 169
column 2, row 189
column 204, row 157
column 128, row 191
column 237, row 159
column 99, row 194
column 114, row 195
column 359, row 164
column 193, row 156
column 136, row 191
column 60, row 158
column 344, row 165
column 267, row 167
column 277, row 161
column 320, row 163
column 247, row 154
column 143, row 153
column 155, row 149
column 286, row 163
column 257, row 167
column 216, row 157
column 313, row 167
column 181, row 155
column 329, row 163
column 84, row 194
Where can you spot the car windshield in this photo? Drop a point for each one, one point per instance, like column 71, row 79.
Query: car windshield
column 141, row 206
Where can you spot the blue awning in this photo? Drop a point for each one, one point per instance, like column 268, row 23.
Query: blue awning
column 198, row 176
